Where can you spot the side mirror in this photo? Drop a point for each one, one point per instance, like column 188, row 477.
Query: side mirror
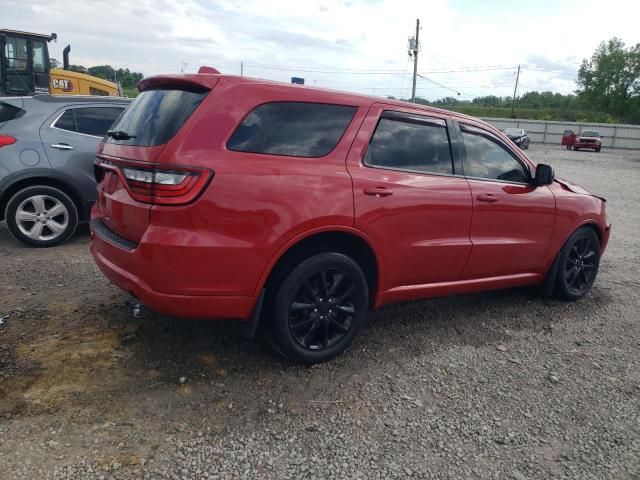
column 544, row 175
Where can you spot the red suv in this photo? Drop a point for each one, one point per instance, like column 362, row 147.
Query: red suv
column 299, row 209
column 589, row 139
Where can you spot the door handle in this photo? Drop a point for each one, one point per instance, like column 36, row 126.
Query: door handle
column 61, row 146
column 487, row 197
column 378, row 191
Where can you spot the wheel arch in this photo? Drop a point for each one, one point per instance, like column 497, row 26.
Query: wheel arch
column 593, row 225
column 47, row 180
column 341, row 239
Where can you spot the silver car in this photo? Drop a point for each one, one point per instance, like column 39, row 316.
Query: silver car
column 47, row 150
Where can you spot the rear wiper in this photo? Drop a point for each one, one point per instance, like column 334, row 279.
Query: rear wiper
column 119, row 135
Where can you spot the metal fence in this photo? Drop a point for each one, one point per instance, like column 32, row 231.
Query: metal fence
column 541, row 131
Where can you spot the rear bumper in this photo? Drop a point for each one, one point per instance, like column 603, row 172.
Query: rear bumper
column 106, row 254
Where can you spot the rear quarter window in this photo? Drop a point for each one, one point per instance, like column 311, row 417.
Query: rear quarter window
column 9, row 112
column 297, row 129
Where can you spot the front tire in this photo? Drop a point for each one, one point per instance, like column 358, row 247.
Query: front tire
column 41, row 216
column 319, row 308
column 578, row 264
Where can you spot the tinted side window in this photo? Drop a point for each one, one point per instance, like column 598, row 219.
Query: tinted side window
column 409, row 145
column 96, row 120
column 295, row 129
column 486, row 158
column 66, row 121
column 9, row 112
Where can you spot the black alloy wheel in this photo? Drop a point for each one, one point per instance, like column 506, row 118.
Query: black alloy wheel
column 319, row 307
column 579, row 263
column 322, row 311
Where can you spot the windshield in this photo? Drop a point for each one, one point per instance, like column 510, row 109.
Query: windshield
column 589, row 133
column 514, row 131
column 155, row 116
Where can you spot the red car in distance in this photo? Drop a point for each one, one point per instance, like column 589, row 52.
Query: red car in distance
column 298, row 210
column 589, row 140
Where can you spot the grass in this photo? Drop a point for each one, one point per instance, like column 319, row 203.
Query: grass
column 130, row 92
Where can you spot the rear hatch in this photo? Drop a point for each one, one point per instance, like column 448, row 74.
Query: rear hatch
column 130, row 177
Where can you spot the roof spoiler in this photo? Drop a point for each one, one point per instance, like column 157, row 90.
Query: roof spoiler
column 196, row 81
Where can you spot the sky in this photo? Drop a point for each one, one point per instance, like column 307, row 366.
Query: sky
column 470, row 48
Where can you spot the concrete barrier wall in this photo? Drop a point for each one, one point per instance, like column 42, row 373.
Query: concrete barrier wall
column 541, row 131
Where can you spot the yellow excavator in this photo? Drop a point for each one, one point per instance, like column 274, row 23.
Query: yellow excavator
column 25, row 69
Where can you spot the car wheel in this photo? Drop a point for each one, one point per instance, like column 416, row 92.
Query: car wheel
column 319, row 308
column 578, row 264
column 41, row 216
column 598, row 149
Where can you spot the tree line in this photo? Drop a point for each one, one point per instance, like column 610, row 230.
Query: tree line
column 124, row 76
column 608, row 91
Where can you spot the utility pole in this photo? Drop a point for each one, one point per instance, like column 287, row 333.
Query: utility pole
column 515, row 89
column 241, row 69
column 414, row 49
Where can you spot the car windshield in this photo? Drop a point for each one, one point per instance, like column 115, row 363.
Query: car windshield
column 589, row 133
column 514, row 131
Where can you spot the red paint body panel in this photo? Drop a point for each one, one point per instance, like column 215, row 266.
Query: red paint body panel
column 422, row 229
column 211, row 258
column 511, row 234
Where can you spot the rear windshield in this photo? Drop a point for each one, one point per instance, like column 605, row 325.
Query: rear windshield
column 155, row 116
column 9, row 112
column 296, row 129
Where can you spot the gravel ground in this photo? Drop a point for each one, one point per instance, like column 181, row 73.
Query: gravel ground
column 497, row 385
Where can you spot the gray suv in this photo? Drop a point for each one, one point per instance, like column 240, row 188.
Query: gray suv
column 47, row 150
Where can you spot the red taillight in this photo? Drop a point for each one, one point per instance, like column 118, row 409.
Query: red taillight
column 6, row 140
column 161, row 185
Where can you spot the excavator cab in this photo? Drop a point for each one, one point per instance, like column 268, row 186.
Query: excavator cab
column 25, row 69
column 24, row 63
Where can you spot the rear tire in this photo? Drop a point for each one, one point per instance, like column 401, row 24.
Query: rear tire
column 319, row 307
column 578, row 264
column 598, row 149
column 41, row 216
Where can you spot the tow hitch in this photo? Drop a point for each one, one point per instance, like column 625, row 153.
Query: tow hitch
column 136, row 308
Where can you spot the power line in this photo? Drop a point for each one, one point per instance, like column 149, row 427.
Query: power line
column 352, row 71
column 445, row 87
